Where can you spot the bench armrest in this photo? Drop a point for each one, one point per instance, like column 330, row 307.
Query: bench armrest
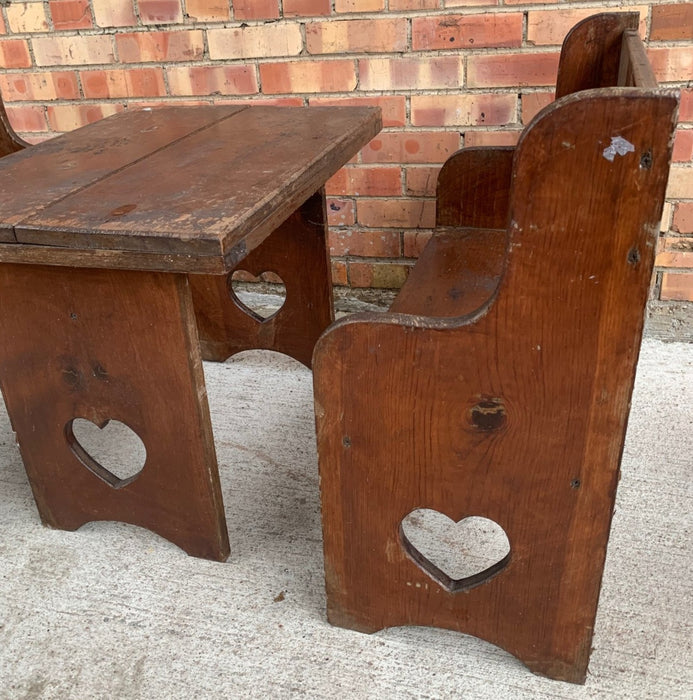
column 474, row 188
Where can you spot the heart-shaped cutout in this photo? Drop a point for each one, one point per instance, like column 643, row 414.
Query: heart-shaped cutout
column 458, row 556
column 261, row 297
column 112, row 451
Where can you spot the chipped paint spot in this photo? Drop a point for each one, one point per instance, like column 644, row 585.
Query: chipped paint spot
column 619, row 147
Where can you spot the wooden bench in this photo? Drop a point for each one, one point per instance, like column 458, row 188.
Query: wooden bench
column 498, row 386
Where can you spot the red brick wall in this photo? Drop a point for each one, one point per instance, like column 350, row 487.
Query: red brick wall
column 447, row 73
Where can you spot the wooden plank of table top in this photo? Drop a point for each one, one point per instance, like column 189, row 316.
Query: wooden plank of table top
column 42, row 174
column 204, row 194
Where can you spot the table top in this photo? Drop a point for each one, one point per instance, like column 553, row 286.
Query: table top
column 190, row 189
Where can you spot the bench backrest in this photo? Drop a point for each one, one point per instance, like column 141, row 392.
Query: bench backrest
column 597, row 51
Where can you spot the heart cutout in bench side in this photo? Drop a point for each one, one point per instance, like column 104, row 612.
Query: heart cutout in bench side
column 457, row 556
column 112, row 451
column 260, row 297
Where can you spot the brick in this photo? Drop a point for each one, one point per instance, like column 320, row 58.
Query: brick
column 677, row 287
column 491, row 138
column 160, row 11
column 70, row 14
column 207, row 10
column 675, row 252
column 27, row 17
column 14, row 53
column 113, row 14
column 683, row 217
column 27, row 118
column 411, row 147
column 146, row 47
column 136, row 82
column 255, row 9
column 357, row 36
column 674, row 64
column 68, row 117
column 683, row 146
column 365, row 243
column 686, row 106
column 516, row 70
column 394, row 107
column 549, row 27
column 255, row 41
column 469, row 3
column 421, row 180
column 368, row 182
column 434, row 73
column 3, row 28
column 308, row 76
column 212, row 80
column 396, row 213
column 680, row 183
column 340, row 212
column 41, row 87
column 400, row 5
column 359, row 5
column 462, row 109
column 339, row 273
column 378, row 275
column 672, row 22
column 306, row 8
column 467, row 31
column 531, row 103
column 674, row 259
column 414, row 242
column 73, row 50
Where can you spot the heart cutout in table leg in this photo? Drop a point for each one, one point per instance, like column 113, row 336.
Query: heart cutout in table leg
column 458, row 556
column 260, row 297
column 112, row 451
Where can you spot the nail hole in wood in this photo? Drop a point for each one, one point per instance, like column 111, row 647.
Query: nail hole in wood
column 633, row 256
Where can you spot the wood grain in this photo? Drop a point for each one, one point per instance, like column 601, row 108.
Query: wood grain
column 591, row 52
column 635, row 68
column 217, row 192
column 296, row 251
column 43, row 174
column 456, row 274
column 10, row 142
column 474, row 188
column 551, row 360
column 83, row 344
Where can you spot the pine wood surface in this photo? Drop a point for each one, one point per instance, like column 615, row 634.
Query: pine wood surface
column 203, row 182
column 83, row 344
column 500, row 388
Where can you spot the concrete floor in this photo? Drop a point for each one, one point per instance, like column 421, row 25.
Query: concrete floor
column 113, row 611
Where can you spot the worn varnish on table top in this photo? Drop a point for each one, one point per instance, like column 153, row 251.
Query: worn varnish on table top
column 183, row 188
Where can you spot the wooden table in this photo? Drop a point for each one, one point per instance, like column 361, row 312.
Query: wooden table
column 117, row 244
